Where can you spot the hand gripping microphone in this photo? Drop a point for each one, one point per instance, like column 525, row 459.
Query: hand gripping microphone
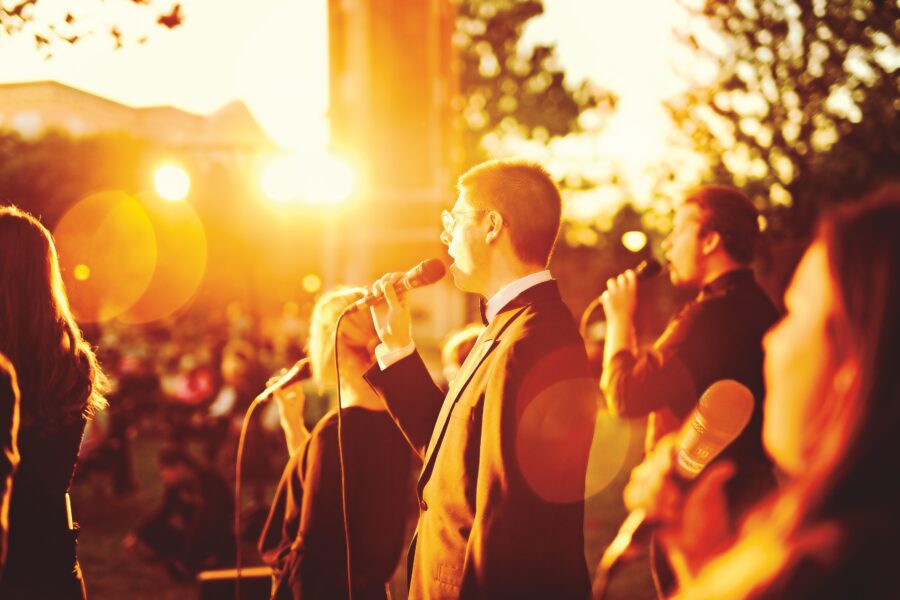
column 299, row 372
column 718, row 419
column 646, row 269
column 425, row 273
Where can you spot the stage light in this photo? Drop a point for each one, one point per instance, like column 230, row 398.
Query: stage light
column 318, row 177
column 172, row 182
column 281, row 179
column 332, row 180
column 634, row 241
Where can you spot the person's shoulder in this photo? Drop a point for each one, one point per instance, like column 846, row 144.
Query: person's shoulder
column 327, row 426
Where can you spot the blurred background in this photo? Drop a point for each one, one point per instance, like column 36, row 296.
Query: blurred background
column 208, row 167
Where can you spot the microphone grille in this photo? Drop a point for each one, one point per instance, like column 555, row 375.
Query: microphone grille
column 431, row 271
column 721, row 414
column 726, row 406
column 647, row 269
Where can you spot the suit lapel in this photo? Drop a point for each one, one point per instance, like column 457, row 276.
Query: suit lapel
column 476, row 357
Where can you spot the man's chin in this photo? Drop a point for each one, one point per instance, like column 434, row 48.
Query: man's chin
column 459, row 277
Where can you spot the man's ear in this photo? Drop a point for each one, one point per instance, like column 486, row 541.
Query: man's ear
column 495, row 226
column 710, row 241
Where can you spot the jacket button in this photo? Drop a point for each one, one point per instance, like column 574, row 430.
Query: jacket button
column 423, row 505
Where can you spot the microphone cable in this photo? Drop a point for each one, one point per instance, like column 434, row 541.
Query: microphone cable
column 340, row 432
column 237, row 471
column 237, row 493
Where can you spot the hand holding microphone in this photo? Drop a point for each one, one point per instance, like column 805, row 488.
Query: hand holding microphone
column 620, row 298
column 390, row 315
column 695, row 521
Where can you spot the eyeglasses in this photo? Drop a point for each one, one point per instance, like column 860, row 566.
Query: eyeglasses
column 450, row 219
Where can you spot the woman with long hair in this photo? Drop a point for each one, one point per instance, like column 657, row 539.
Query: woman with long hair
column 303, row 540
column 61, row 386
column 832, row 426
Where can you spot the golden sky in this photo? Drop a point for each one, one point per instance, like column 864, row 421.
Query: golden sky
column 272, row 54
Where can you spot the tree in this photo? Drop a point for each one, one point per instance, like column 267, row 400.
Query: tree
column 804, row 111
column 506, row 90
column 51, row 26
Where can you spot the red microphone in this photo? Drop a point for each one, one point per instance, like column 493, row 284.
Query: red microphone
column 425, row 273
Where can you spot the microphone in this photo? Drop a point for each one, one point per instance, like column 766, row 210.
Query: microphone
column 425, row 273
column 646, row 269
column 720, row 416
column 301, row 371
column 718, row 419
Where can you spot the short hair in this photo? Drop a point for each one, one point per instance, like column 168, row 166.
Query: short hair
column 527, row 198
column 729, row 212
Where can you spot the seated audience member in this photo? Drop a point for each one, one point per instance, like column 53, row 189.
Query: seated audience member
column 192, row 528
column 832, row 426
column 303, row 540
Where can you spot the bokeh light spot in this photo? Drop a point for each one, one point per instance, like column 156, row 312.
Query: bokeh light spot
column 634, row 241
column 312, row 283
column 172, row 182
column 81, row 272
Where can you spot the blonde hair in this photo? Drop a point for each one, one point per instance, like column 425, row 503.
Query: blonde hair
column 320, row 346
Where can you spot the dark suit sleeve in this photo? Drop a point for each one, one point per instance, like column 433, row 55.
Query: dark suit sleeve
column 538, row 420
column 413, row 399
column 658, row 377
column 9, row 453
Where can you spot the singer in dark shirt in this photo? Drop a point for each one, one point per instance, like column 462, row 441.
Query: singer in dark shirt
column 303, row 539
column 716, row 336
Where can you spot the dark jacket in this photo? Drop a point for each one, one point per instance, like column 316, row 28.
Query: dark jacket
column 505, row 454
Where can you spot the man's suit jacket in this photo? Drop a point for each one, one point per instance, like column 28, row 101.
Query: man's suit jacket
column 505, row 453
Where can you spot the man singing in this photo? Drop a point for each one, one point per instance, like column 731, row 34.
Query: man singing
column 501, row 492
column 716, row 336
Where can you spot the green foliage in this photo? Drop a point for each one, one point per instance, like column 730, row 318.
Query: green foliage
column 804, row 112
column 49, row 174
column 505, row 89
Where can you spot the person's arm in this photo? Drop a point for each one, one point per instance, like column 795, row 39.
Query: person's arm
column 692, row 520
column 291, row 401
column 412, row 397
column 636, row 384
column 619, row 303
column 9, row 453
column 537, row 426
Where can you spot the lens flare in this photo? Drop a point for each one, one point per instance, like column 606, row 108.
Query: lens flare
column 112, row 233
column 180, row 263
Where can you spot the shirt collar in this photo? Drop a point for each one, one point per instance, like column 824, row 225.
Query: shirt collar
column 513, row 289
column 727, row 281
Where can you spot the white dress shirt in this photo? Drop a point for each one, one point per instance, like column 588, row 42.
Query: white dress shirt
column 503, row 297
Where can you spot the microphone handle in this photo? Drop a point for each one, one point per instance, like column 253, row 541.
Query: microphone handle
column 402, row 286
column 635, row 528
